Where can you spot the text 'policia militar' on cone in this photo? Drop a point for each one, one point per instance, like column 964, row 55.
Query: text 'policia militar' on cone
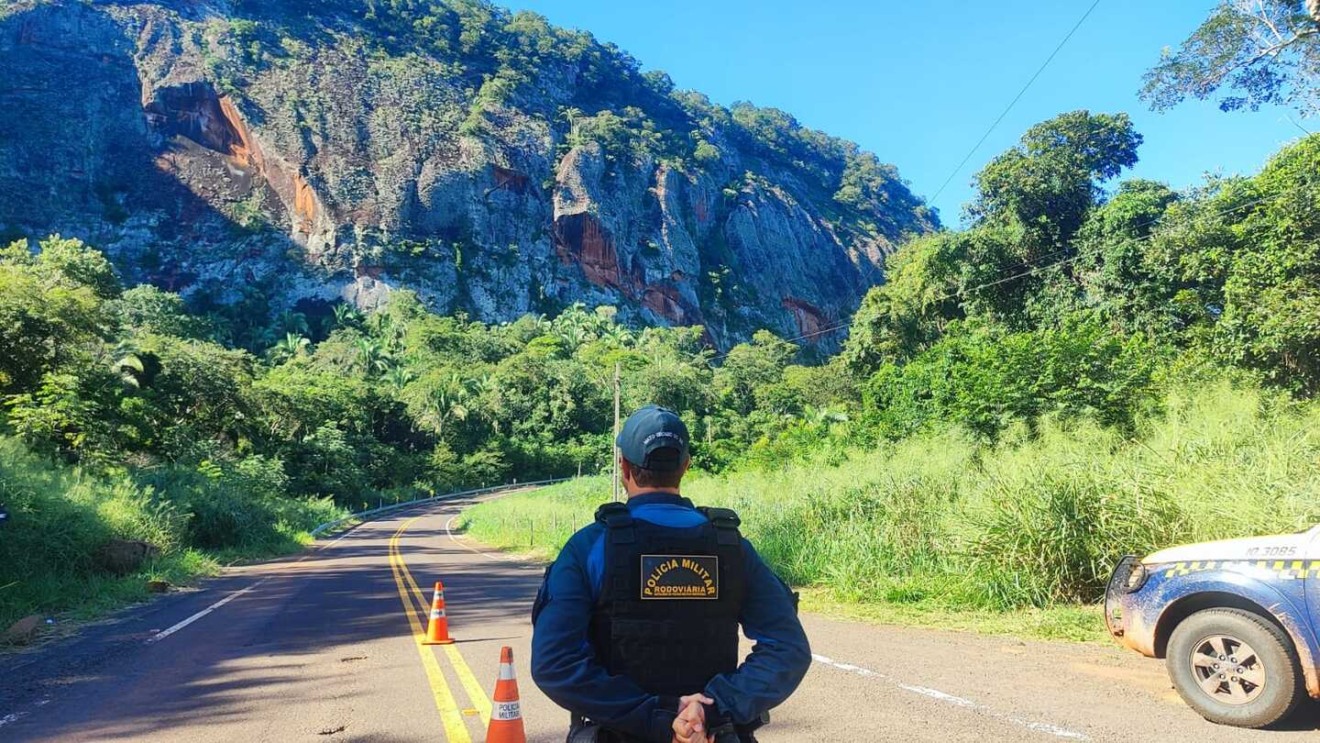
column 506, row 725
column 437, row 630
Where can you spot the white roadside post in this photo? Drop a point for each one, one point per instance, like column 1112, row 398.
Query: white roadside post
column 614, row 460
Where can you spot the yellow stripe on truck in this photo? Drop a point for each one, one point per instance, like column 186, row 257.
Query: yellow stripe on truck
column 1278, row 569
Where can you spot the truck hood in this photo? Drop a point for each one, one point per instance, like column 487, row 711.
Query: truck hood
column 1274, row 547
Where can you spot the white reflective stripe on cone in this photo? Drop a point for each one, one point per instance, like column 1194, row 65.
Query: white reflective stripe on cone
column 437, row 613
column 506, row 672
column 506, row 711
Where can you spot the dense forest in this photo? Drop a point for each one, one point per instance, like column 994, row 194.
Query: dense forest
column 1074, row 304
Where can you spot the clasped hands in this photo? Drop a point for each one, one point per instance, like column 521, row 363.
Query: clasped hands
column 690, row 725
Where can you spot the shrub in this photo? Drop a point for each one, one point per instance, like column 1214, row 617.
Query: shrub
column 241, row 507
column 1038, row 518
column 58, row 519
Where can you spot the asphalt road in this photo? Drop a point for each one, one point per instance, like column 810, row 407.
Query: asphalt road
column 322, row 647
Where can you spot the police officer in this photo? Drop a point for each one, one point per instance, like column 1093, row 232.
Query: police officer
column 636, row 624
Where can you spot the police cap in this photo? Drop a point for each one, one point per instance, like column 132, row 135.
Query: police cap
column 654, row 438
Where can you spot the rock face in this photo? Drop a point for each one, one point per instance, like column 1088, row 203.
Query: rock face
column 220, row 153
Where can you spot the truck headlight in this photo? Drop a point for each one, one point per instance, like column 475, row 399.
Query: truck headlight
column 1136, row 578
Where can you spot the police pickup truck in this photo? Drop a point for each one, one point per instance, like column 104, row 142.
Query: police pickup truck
column 1235, row 621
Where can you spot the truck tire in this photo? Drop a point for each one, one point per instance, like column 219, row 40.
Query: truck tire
column 1235, row 668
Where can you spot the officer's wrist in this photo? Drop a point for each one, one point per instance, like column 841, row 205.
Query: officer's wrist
column 669, row 704
column 662, row 720
column 715, row 717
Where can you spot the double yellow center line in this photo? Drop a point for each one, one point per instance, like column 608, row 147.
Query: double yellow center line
column 452, row 719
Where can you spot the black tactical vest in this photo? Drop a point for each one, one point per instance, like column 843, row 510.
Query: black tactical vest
column 667, row 616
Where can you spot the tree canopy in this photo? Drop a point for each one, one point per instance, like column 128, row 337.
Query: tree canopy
column 1047, row 184
column 1249, row 53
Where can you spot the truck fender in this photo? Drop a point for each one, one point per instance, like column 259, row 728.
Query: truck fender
column 1188, row 594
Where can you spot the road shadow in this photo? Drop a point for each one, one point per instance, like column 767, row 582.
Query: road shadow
column 286, row 640
column 273, row 642
column 1304, row 719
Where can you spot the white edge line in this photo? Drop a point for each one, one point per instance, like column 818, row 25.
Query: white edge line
column 936, row 694
column 175, row 628
column 449, row 530
column 16, row 716
column 497, row 557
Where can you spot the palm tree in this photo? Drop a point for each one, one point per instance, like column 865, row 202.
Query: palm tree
column 446, row 404
column 822, row 418
column 293, row 323
column 573, row 336
column 128, row 365
column 399, row 377
column 485, row 389
column 346, row 314
column 619, row 336
column 649, row 336
column 371, row 357
column 290, row 346
column 574, row 326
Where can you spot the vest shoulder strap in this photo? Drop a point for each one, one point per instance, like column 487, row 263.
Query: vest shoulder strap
column 613, row 514
column 617, row 521
column 721, row 518
column 725, row 521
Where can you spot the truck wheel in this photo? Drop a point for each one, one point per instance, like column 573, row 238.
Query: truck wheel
column 1235, row 668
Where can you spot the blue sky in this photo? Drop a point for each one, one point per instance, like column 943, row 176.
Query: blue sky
column 918, row 83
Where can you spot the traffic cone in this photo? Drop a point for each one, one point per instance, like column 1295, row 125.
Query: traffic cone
column 506, row 725
column 437, row 630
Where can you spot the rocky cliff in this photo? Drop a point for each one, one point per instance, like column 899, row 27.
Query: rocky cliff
column 313, row 152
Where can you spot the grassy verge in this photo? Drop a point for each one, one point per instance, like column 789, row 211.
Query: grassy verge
column 1069, row 622
column 61, row 517
column 536, row 524
column 1018, row 537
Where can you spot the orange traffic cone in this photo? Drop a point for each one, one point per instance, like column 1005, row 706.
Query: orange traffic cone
column 437, row 630
column 506, row 725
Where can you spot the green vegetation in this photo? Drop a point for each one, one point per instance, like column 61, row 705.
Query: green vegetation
column 60, row 518
column 1077, row 376
column 126, row 414
column 937, row 524
column 1232, row 50
column 1088, row 369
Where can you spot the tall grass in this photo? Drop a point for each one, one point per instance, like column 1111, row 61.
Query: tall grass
column 1033, row 521
column 60, row 517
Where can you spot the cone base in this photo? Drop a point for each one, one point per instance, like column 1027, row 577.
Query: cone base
column 438, row 642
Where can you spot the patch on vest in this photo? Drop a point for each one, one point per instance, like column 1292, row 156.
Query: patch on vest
column 680, row 577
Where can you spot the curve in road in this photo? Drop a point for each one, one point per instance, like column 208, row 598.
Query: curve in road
column 326, row 648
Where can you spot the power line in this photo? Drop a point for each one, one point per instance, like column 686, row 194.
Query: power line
column 1034, row 270
column 1015, row 100
column 870, row 266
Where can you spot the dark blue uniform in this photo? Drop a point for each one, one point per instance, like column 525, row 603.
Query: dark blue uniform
column 564, row 663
